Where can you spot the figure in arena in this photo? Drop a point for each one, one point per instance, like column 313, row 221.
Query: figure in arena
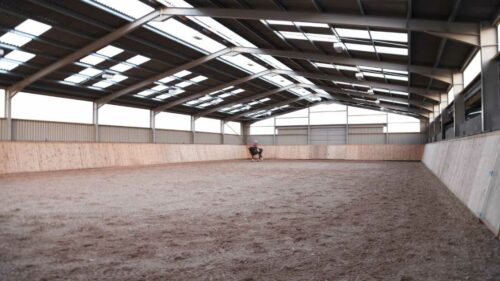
column 256, row 151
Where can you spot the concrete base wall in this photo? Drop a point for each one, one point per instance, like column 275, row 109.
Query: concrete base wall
column 470, row 168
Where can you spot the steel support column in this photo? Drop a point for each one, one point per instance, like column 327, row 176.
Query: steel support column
column 152, row 125
column 95, row 121
column 8, row 116
column 193, row 130
column 490, row 85
column 458, row 103
column 222, row 131
column 309, row 125
column 346, row 124
column 274, row 131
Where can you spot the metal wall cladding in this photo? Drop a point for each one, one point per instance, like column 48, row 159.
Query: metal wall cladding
column 32, row 130
column 367, row 138
column 3, row 127
column 328, row 135
column 208, row 138
column 234, row 139
column 407, row 138
column 173, row 136
column 472, row 126
column 291, row 139
column 124, row 134
column 262, row 139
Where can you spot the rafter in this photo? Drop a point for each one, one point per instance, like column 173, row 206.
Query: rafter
column 99, row 43
column 464, row 32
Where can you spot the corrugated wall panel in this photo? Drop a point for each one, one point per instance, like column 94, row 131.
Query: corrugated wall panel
column 367, row 139
column 208, row 138
column 124, row 134
column 233, row 139
column 328, row 135
column 407, row 138
column 31, row 130
column 3, row 134
column 173, row 136
column 262, row 139
column 291, row 139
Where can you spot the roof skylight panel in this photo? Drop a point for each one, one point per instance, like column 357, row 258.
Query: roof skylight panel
column 14, row 39
column 19, row 56
column 359, row 47
column 8, row 65
column 198, row 78
column 345, row 67
column 399, row 93
column 292, row 35
column 110, row 51
column 138, row 60
column 183, row 73
column 132, row 8
column 33, row 27
column 237, row 91
column 160, row 88
column 322, row 37
column 245, row 63
column 396, row 71
column 264, row 100
column 324, row 65
column 167, row 79
column 396, row 77
column 103, row 84
column 311, row 24
column 91, row 72
column 76, row 78
column 191, row 37
column 370, row 68
column 278, row 79
column 389, row 36
column 118, row 78
column 393, row 101
column 392, row 50
column 372, row 74
column 352, row 33
column 278, row 22
column 146, row 93
column 92, row 59
column 184, row 84
column 121, row 67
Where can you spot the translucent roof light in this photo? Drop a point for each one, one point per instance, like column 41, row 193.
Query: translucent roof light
column 103, row 84
column 360, row 47
column 110, row 51
column 322, row 37
column 182, row 73
column 159, row 88
column 167, row 79
column 352, row 33
column 7, row 65
column 184, row 84
column 198, row 78
column 138, row 60
column 389, row 36
column 75, row 78
column 92, row 60
column 298, row 23
column 292, row 35
column 20, row 56
column 90, row 72
column 121, row 67
column 118, row 78
column 392, row 50
column 146, row 93
column 14, row 39
column 132, row 8
column 33, row 27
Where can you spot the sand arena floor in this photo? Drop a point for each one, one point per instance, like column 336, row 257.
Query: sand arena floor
column 238, row 220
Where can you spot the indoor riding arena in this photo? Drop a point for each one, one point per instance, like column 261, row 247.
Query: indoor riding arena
column 249, row 140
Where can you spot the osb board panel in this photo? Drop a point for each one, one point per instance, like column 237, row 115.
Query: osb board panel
column 469, row 167
column 346, row 152
column 36, row 156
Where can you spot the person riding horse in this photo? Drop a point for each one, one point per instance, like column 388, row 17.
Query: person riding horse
column 256, row 150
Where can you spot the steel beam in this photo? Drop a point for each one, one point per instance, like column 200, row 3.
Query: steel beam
column 152, row 125
column 461, row 31
column 99, row 43
column 431, row 94
column 235, row 117
column 214, row 89
column 162, row 75
column 441, row 74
